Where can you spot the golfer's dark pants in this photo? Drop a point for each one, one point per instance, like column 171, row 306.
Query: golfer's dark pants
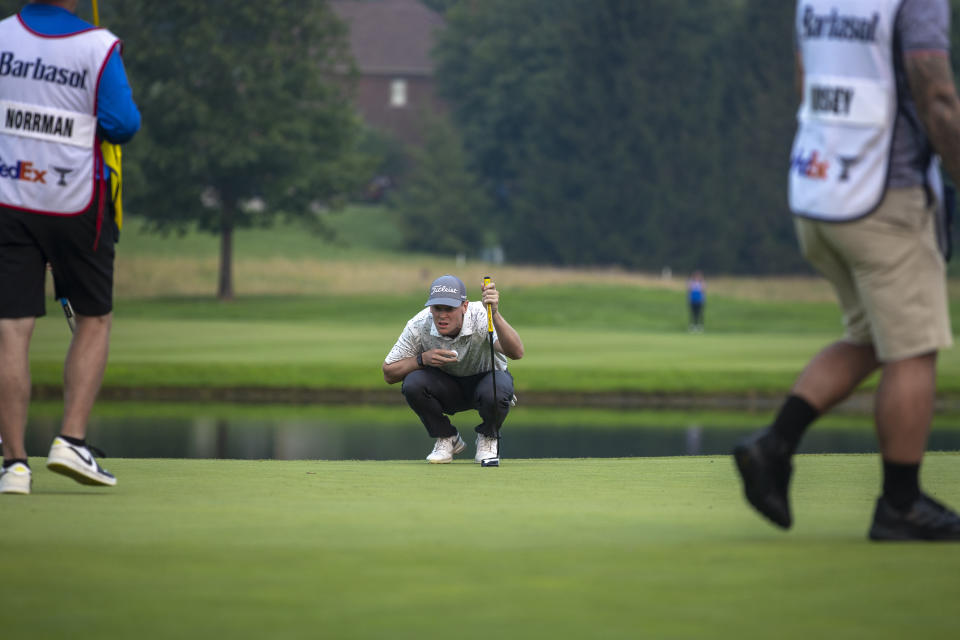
column 433, row 395
column 696, row 313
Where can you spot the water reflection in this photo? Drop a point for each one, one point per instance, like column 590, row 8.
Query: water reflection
column 347, row 439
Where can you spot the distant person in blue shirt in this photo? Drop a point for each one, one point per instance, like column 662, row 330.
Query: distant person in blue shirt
column 697, row 298
column 63, row 90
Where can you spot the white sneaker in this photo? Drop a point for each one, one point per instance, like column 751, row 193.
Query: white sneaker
column 486, row 448
column 77, row 463
column 15, row 479
column 445, row 448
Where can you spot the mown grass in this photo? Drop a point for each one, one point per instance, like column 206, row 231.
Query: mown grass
column 340, row 309
column 588, row 308
column 365, row 256
column 616, row 548
column 356, row 232
column 577, row 338
column 348, row 356
column 623, row 548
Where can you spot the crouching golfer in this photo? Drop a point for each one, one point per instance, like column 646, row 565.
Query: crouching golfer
column 443, row 359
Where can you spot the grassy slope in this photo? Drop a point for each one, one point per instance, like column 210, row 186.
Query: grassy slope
column 340, row 341
column 624, row 548
column 346, row 304
column 357, row 231
column 175, row 353
column 627, row 548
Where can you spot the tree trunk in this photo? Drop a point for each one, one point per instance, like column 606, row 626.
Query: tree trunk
column 225, row 281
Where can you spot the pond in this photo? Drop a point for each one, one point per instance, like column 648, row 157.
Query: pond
column 283, row 432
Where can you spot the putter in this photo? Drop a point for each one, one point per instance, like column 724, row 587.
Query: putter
column 68, row 313
column 492, row 462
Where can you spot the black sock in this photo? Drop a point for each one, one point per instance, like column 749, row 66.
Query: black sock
column 9, row 463
column 795, row 416
column 77, row 442
column 901, row 484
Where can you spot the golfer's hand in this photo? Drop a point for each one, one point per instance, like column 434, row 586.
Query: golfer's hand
column 491, row 296
column 439, row 357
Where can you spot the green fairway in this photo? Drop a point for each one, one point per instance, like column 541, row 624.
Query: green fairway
column 323, row 353
column 621, row 548
column 341, row 306
column 545, row 548
column 358, row 231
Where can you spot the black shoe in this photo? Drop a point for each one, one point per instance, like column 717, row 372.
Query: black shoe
column 926, row 519
column 765, row 467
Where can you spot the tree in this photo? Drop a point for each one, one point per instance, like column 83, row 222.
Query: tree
column 245, row 110
column 760, row 105
column 628, row 133
column 489, row 61
column 440, row 6
column 9, row 7
column 441, row 205
column 597, row 119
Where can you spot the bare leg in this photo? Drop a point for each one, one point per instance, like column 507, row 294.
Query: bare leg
column 763, row 459
column 834, row 373
column 903, row 412
column 83, row 372
column 15, row 336
column 904, row 408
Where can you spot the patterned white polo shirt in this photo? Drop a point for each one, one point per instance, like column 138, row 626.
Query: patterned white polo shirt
column 471, row 344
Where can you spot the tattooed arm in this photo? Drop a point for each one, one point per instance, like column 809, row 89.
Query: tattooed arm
column 931, row 84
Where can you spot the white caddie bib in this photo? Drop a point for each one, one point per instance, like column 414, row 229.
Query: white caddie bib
column 48, row 124
column 841, row 152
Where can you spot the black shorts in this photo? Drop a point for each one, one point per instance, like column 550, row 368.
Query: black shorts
column 81, row 273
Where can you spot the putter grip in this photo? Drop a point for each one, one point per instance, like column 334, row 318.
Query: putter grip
column 486, row 281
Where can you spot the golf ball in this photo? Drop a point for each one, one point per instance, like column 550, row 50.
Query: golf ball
column 455, row 354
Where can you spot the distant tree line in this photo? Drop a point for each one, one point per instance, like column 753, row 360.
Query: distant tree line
column 635, row 133
column 620, row 132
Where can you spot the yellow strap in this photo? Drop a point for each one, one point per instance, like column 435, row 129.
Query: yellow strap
column 112, row 157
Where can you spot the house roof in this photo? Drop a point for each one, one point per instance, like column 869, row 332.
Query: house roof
column 390, row 36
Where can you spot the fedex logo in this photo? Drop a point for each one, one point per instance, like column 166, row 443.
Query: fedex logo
column 809, row 166
column 22, row 171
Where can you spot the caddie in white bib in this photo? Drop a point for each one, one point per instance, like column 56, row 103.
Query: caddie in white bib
column 841, row 152
column 48, row 124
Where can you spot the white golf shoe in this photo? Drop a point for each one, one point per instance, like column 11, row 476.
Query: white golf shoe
column 77, row 463
column 15, row 479
column 445, row 448
column 486, row 448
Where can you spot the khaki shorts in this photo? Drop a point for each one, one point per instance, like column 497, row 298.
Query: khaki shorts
column 888, row 275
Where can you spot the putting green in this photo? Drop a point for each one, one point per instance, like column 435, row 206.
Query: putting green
column 618, row 548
